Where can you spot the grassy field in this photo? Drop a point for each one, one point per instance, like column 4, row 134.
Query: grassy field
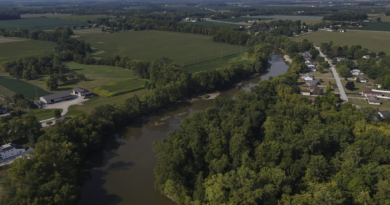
column 362, row 103
column 374, row 41
column 372, row 26
column 214, row 24
column 241, row 19
column 5, row 92
column 38, row 23
column 88, row 32
column 43, row 114
column 26, row 48
column 217, row 63
column 151, row 45
column 96, row 75
column 19, row 86
column 120, row 87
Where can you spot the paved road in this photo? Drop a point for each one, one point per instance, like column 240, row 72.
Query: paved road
column 340, row 86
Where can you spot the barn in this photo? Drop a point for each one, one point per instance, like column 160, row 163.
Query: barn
column 57, row 97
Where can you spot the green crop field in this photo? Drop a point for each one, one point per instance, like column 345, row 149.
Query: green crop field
column 37, row 23
column 5, row 92
column 217, row 63
column 120, row 87
column 374, row 41
column 214, row 24
column 372, row 26
column 26, row 48
column 241, row 19
column 151, row 45
column 19, row 86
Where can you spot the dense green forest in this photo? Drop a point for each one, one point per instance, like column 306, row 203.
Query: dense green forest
column 346, row 16
column 9, row 15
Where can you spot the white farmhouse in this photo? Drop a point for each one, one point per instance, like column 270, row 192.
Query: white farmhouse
column 10, row 150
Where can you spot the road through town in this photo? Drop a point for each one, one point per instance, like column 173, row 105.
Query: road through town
column 340, row 86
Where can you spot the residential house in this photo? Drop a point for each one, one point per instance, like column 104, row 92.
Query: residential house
column 384, row 114
column 361, row 79
column 312, row 82
column 305, row 92
column 81, row 92
column 57, row 97
column 372, row 100
column 366, row 57
column 307, row 76
column 10, row 150
column 340, row 58
column 378, row 85
column 312, row 87
column 356, row 72
column 306, row 55
column 368, row 92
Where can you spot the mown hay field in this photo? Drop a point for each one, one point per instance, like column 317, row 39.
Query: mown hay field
column 183, row 48
column 22, row 87
column 374, row 41
column 120, row 87
column 38, row 23
column 23, row 48
column 5, row 92
column 217, row 63
column 216, row 23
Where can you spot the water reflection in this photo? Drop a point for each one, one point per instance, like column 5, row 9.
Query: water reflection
column 125, row 175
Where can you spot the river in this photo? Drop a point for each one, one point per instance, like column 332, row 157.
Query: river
column 126, row 176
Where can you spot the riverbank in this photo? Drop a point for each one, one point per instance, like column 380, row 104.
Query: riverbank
column 287, row 58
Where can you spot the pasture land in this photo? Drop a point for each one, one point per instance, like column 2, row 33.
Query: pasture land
column 374, row 41
column 290, row 17
column 87, row 32
column 37, row 23
column 372, row 26
column 24, row 48
column 26, row 16
column 215, row 23
column 183, row 48
column 241, row 19
column 120, row 87
column 217, row 63
column 10, row 39
column 96, row 75
column 19, row 86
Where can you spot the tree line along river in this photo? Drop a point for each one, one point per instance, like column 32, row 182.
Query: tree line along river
column 125, row 173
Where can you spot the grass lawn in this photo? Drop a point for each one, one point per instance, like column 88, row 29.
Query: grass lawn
column 5, row 92
column 358, row 88
column 362, row 103
column 20, row 86
column 96, row 75
column 151, row 45
column 326, row 74
column 43, row 114
column 372, row 26
column 374, row 41
column 37, row 23
column 25, row 48
column 120, row 87
column 88, row 106
column 217, row 63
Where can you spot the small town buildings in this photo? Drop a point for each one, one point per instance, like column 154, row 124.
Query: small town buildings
column 81, row 92
column 372, row 100
column 366, row 57
column 384, row 114
column 306, row 55
column 356, row 72
column 368, row 92
column 307, row 76
column 361, row 79
column 305, row 92
column 311, row 68
column 312, row 82
column 57, row 97
column 10, row 150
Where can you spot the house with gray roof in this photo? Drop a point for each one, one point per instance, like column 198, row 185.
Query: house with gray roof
column 10, row 150
column 312, row 82
column 57, row 97
column 384, row 114
column 81, row 92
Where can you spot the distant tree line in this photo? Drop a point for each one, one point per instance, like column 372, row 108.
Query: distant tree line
column 8, row 15
column 346, row 16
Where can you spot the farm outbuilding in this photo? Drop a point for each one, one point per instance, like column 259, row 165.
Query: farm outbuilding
column 57, row 97
column 81, row 92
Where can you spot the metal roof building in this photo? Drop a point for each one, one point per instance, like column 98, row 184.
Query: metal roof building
column 57, row 97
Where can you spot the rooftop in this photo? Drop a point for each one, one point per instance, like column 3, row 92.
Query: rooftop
column 385, row 113
column 81, row 90
column 373, row 99
column 9, row 146
column 56, row 95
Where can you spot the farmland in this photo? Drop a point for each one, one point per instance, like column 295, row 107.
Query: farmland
column 151, row 45
column 120, row 87
column 241, row 19
column 5, row 92
column 217, row 63
column 37, row 23
column 18, row 86
column 24, row 48
column 69, row 17
column 372, row 26
column 374, row 41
